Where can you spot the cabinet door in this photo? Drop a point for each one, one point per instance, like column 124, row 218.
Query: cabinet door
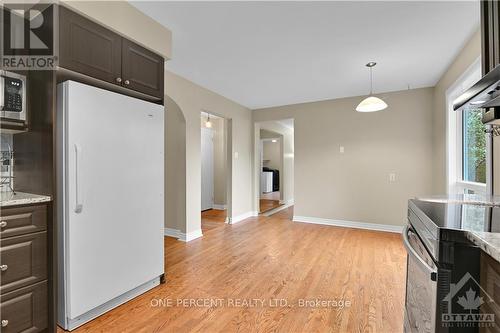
column 88, row 48
column 25, row 309
column 142, row 69
column 490, row 34
column 24, row 259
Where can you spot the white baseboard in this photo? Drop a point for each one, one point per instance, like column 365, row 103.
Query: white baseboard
column 187, row 237
column 184, row 237
column 349, row 224
column 171, row 232
column 219, row 207
column 242, row 217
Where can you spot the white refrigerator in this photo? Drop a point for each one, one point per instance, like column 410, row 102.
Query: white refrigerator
column 110, row 200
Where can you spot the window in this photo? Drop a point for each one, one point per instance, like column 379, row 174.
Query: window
column 473, row 147
column 467, row 144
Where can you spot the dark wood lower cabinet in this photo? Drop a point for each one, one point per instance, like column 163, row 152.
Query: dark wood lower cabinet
column 490, row 288
column 24, row 271
column 25, row 259
column 25, row 309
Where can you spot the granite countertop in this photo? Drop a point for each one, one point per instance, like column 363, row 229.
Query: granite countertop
column 489, row 242
column 20, row 198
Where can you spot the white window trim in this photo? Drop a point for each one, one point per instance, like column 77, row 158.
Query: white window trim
column 454, row 140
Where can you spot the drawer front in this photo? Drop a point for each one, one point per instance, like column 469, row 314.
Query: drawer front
column 23, row 220
column 23, row 261
column 25, row 310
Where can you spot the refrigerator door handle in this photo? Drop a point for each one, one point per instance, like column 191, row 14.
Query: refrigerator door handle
column 78, row 180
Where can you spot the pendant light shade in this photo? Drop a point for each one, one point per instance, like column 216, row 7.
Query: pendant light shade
column 208, row 123
column 371, row 103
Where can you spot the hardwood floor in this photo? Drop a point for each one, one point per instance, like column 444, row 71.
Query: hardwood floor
column 270, row 258
column 266, row 205
column 271, row 195
column 212, row 218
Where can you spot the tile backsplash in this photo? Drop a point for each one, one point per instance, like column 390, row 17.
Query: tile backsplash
column 6, row 141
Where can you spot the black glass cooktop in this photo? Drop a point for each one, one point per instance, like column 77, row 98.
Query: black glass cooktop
column 461, row 216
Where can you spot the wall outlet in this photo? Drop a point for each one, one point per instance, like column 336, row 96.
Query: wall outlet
column 392, row 177
column 341, row 149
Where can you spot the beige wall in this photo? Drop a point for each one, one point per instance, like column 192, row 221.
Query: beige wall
column 354, row 186
column 127, row 21
column 466, row 57
column 272, row 154
column 175, row 166
column 192, row 99
column 220, row 154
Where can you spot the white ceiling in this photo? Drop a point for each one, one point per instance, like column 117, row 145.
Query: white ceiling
column 262, row 54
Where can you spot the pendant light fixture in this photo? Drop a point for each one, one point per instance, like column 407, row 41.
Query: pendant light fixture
column 371, row 103
column 208, row 123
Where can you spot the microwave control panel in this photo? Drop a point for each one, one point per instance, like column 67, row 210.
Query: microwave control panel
column 13, row 94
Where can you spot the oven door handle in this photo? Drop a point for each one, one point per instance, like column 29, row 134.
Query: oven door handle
column 411, row 251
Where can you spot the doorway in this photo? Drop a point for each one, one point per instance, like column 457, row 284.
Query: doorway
column 214, row 170
column 274, row 168
column 271, row 157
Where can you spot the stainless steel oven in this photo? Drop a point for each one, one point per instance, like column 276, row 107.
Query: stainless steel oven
column 421, row 286
column 439, row 256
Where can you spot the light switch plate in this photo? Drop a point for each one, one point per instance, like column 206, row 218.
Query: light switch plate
column 341, row 149
column 392, row 177
column 236, row 155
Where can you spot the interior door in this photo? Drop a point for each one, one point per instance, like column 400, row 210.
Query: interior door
column 114, row 199
column 207, row 168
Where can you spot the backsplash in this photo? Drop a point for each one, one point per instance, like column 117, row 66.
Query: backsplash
column 5, row 165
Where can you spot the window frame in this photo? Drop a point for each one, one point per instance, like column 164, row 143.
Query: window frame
column 455, row 131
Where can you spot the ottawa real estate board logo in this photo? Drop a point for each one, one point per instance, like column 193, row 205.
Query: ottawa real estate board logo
column 468, row 305
column 28, row 36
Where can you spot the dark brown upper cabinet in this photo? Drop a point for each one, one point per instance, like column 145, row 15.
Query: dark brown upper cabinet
column 490, row 35
column 142, row 69
column 88, row 48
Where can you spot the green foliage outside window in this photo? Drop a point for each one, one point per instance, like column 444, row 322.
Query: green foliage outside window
column 474, row 147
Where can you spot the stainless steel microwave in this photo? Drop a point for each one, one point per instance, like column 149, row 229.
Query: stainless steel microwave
column 13, row 106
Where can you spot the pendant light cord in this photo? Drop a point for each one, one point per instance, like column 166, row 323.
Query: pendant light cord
column 371, row 81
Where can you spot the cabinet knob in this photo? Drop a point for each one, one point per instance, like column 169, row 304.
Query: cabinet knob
column 127, row 82
column 3, row 224
column 3, row 268
column 119, row 80
column 5, row 322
